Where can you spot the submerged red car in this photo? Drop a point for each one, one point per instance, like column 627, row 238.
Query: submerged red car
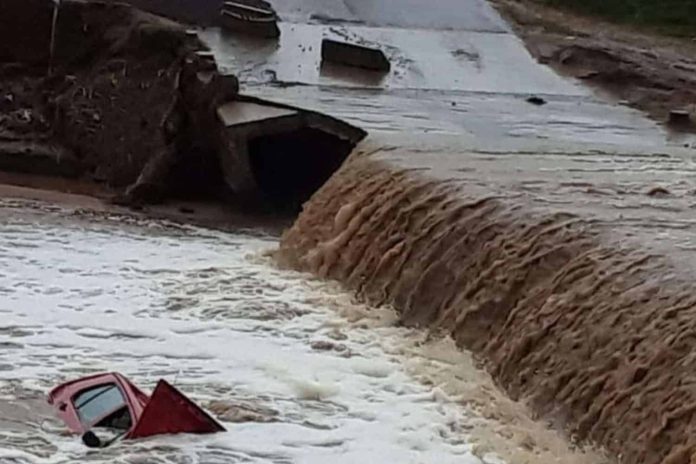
column 111, row 402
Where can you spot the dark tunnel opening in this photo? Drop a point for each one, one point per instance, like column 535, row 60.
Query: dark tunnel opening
column 290, row 167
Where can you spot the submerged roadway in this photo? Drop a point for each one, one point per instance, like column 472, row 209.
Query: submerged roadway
column 456, row 69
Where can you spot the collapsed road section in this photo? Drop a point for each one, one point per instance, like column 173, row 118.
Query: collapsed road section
column 136, row 103
column 286, row 152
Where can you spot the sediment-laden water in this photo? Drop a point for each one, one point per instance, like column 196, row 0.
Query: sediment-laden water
column 202, row 310
column 594, row 330
column 296, row 371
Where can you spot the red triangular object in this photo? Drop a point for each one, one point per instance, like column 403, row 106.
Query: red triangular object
column 169, row 412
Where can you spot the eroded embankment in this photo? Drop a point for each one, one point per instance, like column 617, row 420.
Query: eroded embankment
column 650, row 72
column 597, row 338
column 94, row 107
column 108, row 94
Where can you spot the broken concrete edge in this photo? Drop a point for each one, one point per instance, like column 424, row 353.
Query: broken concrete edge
column 356, row 55
column 679, row 118
column 92, row 37
column 330, row 124
column 238, row 131
column 299, row 151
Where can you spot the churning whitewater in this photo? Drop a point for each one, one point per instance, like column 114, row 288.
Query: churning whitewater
column 202, row 310
column 296, row 372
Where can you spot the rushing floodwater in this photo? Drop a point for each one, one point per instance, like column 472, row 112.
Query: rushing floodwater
column 204, row 310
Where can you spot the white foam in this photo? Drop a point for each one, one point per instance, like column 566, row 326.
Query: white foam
column 192, row 307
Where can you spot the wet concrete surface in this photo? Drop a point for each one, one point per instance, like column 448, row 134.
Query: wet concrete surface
column 416, row 14
column 455, row 107
column 464, row 75
column 636, row 194
column 422, row 59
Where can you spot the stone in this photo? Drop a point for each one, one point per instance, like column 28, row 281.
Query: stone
column 359, row 56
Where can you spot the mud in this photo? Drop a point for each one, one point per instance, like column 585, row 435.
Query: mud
column 124, row 98
column 652, row 73
column 595, row 334
column 110, row 84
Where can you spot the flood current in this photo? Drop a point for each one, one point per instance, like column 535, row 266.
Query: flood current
column 295, row 369
column 208, row 312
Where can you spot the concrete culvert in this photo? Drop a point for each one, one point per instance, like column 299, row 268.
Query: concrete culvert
column 290, row 167
column 280, row 154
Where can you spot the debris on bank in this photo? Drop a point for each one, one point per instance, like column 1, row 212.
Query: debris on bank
column 350, row 54
column 110, row 405
column 252, row 17
column 134, row 101
column 536, row 100
column 653, row 74
column 679, row 118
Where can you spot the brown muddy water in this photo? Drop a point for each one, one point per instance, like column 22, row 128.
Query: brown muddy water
column 569, row 274
column 505, row 252
column 315, row 374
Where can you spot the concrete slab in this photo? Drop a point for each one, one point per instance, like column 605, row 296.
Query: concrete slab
column 470, row 15
column 240, row 113
column 447, row 81
column 473, row 15
column 444, row 60
column 489, row 117
column 350, row 54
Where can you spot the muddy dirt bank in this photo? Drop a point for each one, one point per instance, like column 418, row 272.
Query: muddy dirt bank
column 134, row 101
column 597, row 336
column 652, row 73
column 98, row 104
column 88, row 200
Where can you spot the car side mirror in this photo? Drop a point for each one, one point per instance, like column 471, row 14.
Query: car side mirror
column 91, row 440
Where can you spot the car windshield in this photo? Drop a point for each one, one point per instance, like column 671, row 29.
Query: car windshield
column 97, row 402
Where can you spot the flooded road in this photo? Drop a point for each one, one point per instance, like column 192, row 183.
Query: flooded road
column 316, row 376
column 462, row 75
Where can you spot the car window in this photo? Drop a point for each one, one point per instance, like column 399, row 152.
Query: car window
column 97, row 402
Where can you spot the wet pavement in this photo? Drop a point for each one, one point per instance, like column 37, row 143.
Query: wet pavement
column 475, row 15
column 455, row 69
column 455, row 107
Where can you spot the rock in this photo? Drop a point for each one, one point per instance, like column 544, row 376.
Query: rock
column 587, row 75
column 679, row 118
column 658, row 192
column 535, row 100
column 239, row 412
column 206, row 60
column 324, row 345
column 354, row 55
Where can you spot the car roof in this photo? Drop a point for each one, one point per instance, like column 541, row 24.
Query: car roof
column 64, row 392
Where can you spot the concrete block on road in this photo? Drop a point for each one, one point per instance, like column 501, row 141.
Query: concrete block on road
column 354, row 55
